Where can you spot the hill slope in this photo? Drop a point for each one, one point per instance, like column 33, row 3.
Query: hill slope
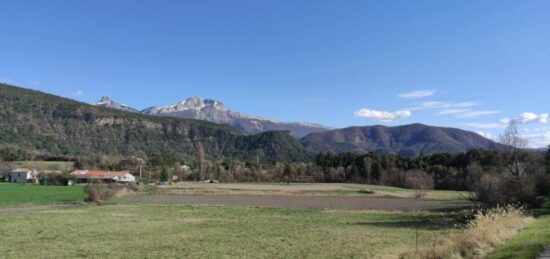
column 407, row 140
column 53, row 125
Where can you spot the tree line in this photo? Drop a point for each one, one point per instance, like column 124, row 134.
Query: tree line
column 513, row 174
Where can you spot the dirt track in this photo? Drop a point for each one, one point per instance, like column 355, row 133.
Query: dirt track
column 314, row 202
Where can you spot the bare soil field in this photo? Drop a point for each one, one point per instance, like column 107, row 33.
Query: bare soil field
column 305, row 189
column 297, row 202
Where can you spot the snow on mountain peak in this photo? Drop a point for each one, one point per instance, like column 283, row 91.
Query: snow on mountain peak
column 196, row 107
column 106, row 101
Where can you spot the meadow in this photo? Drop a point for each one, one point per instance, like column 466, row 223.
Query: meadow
column 154, row 231
column 188, row 225
column 28, row 194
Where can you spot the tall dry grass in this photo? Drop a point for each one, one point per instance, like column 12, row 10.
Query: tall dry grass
column 481, row 236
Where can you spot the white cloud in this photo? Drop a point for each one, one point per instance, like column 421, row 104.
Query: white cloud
column 78, row 93
column 443, row 105
column 486, row 134
column 522, row 119
column 467, row 113
column 486, row 125
column 382, row 115
column 35, row 82
column 474, row 114
column 417, row 94
column 526, row 118
column 537, row 139
column 452, row 111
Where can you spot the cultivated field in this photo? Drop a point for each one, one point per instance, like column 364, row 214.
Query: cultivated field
column 307, row 189
column 297, row 202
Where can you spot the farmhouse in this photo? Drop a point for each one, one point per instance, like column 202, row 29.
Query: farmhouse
column 84, row 176
column 23, row 175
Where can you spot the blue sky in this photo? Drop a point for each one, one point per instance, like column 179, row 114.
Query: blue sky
column 466, row 64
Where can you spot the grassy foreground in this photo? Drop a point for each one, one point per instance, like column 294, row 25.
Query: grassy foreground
column 530, row 242
column 16, row 194
column 138, row 231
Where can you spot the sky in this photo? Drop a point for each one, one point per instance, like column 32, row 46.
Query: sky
column 475, row 65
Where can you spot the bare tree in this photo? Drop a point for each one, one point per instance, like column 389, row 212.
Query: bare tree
column 418, row 180
column 515, row 157
column 5, row 168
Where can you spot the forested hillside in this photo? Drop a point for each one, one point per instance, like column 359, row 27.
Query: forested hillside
column 406, row 140
column 47, row 124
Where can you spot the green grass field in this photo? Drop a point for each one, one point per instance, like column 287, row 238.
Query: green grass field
column 154, row 231
column 17, row 194
column 138, row 230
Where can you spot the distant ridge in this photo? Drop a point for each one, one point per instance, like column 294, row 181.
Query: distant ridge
column 198, row 108
column 406, row 140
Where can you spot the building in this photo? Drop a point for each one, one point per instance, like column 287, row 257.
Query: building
column 85, row 176
column 23, row 175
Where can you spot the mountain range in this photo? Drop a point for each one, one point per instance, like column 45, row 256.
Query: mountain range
column 198, row 108
column 48, row 124
column 407, row 140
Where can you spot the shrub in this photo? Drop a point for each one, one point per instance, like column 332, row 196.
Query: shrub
column 482, row 234
column 493, row 190
column 366, row 191
column 153, row 190
column 99, row 192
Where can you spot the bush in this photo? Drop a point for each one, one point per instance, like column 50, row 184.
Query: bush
column 99, row 192
column 485, row 232
column 493, row 190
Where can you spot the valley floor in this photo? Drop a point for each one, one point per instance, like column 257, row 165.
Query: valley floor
column 200, row 220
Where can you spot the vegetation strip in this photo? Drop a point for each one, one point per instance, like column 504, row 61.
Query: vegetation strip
column 481, row 236
column 530, row 242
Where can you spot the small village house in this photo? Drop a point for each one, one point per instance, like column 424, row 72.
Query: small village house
column 86, row 176
column 23, row 175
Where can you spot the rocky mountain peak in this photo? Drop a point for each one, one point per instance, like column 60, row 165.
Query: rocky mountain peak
column 106, row 101
column 196, row 107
